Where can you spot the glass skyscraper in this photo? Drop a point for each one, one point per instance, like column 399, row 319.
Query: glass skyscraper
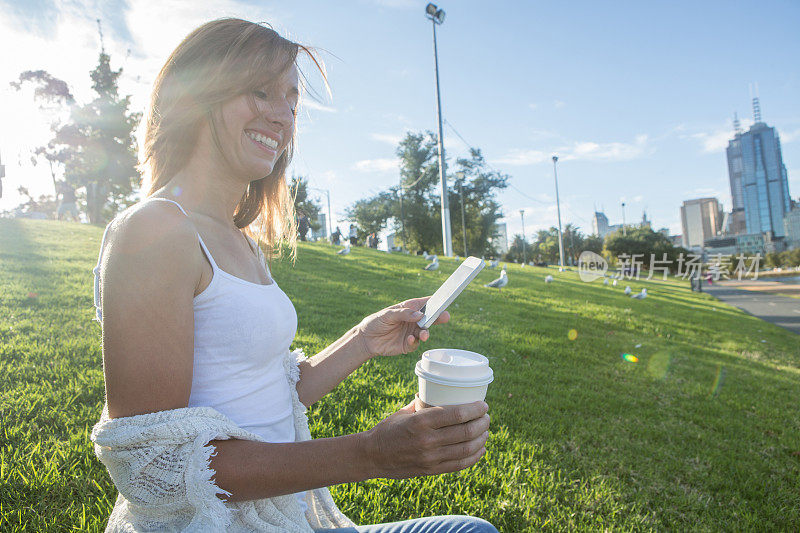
column 759, row 183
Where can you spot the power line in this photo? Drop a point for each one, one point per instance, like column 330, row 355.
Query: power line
column 468, row 145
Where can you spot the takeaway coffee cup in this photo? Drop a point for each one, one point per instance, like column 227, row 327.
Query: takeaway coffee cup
column 451, row 377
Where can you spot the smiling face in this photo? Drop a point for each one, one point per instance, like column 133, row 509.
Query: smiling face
column 255, row 129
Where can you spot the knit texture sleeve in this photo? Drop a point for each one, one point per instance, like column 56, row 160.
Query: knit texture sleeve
column 160, row 464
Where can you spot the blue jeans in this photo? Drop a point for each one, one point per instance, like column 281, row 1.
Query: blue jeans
column 431, row 524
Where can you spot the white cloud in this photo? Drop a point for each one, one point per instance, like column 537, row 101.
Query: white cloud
column 376, row 165
column 388, row 138
column 582, row 150
column 715, row 141
column 558, row 104
column 789, row 136
column 533, row 106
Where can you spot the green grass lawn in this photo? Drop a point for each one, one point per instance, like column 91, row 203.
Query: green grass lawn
column 702, row 433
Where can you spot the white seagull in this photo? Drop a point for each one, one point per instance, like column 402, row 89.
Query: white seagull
column 641, row 296
column 605, row 281
column 627, row 290
column 345, row 250
column 434, row 264
column 614, row 283
column 548, row 279
column 500, row 282
column 493, row 264
column 426, row 256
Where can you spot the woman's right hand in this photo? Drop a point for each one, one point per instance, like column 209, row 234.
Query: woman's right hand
column 432, row 441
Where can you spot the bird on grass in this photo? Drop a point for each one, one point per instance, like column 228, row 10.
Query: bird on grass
column 614, row 283
column 345, row 250
column 494, row 263
column 641, row 296
column 605, row 281
column 427, row 256
column 500, row 282
column 548, row 279
column 627, row 290
column 434, row 264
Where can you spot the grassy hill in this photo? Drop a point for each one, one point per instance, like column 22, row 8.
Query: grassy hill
column 702, row 433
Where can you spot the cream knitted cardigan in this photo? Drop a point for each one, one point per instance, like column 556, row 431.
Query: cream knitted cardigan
column 160, row 461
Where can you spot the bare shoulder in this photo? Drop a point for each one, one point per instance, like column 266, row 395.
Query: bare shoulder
column 150, row 268
column 157, row 234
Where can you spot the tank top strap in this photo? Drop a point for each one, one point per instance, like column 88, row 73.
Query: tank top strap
column 202, row 244
column 98, row 312
column 261, row 257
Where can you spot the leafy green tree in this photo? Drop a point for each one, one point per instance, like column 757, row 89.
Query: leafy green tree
column 481, row 208
column 643, row 241
column 96, row 146
column 303, row 203
column 515, row 252
column 372, row 214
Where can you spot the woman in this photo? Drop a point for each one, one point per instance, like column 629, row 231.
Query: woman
column 203, row 395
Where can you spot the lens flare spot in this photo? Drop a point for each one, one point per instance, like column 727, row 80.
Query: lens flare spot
column 629, row 357
column 719, row 379
column 573, row 334
column 658, row 365
column 176, row 190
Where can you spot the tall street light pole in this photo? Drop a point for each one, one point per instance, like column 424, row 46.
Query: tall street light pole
column 436, row 16
column 463, row 223
column 522, row 215
column 558, row 207
column 623, row 219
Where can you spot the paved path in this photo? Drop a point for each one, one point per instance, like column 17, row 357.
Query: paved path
column 780, row 310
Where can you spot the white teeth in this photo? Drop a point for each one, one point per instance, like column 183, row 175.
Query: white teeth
column 266, row 141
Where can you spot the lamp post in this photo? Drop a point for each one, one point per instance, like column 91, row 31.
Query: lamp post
column 623, row 219
column 436, row 16
column 558, row 208
column 463, row 223
column 330, row 221
column 522, row 215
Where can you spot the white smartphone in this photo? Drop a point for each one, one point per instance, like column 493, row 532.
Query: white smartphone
column 450, row 290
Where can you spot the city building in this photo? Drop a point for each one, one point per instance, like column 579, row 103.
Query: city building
column 701, row 219
column 601, row 227
column 791, row 227
column 758, row 179
column 499, row 239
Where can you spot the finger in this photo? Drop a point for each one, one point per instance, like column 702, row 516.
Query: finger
column 452, row 415
column 459, row 464
column 424, row 335
column 415, row 303
column 406, row 314
column 461, row 450
column 463, row 432
column 444, row 318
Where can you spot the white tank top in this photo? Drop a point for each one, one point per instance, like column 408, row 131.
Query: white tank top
column 242, row 331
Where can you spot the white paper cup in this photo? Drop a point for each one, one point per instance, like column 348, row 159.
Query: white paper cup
column 451, row 377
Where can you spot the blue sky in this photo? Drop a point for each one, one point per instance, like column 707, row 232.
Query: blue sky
column 636, row 98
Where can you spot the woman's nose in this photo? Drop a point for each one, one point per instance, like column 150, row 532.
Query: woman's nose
column 279, row 113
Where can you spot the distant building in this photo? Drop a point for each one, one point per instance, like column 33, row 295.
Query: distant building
column 750, row 243
column 791, row 227
column 721, row 245
column 499, row 240
column 733, row 245
column 758, row 179
column 601, row 227
column 701, row 219
column 677, row 240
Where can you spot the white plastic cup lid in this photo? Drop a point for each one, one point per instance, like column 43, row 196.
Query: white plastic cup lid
column 457, row 368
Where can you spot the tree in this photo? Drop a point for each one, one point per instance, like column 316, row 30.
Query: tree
column 481, row 209
column 96, row 146
column 372, row 214
column 54, row 98
column 643, row 241
column 515, row 252
column 303, row 203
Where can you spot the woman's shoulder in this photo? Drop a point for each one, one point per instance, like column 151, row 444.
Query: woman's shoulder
column 156, row 225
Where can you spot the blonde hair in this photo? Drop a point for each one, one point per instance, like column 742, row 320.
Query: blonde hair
column 220, row 60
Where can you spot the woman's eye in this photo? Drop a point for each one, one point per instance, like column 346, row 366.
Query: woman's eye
column 261, row 95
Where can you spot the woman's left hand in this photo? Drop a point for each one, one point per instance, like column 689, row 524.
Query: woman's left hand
column 394, row 330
